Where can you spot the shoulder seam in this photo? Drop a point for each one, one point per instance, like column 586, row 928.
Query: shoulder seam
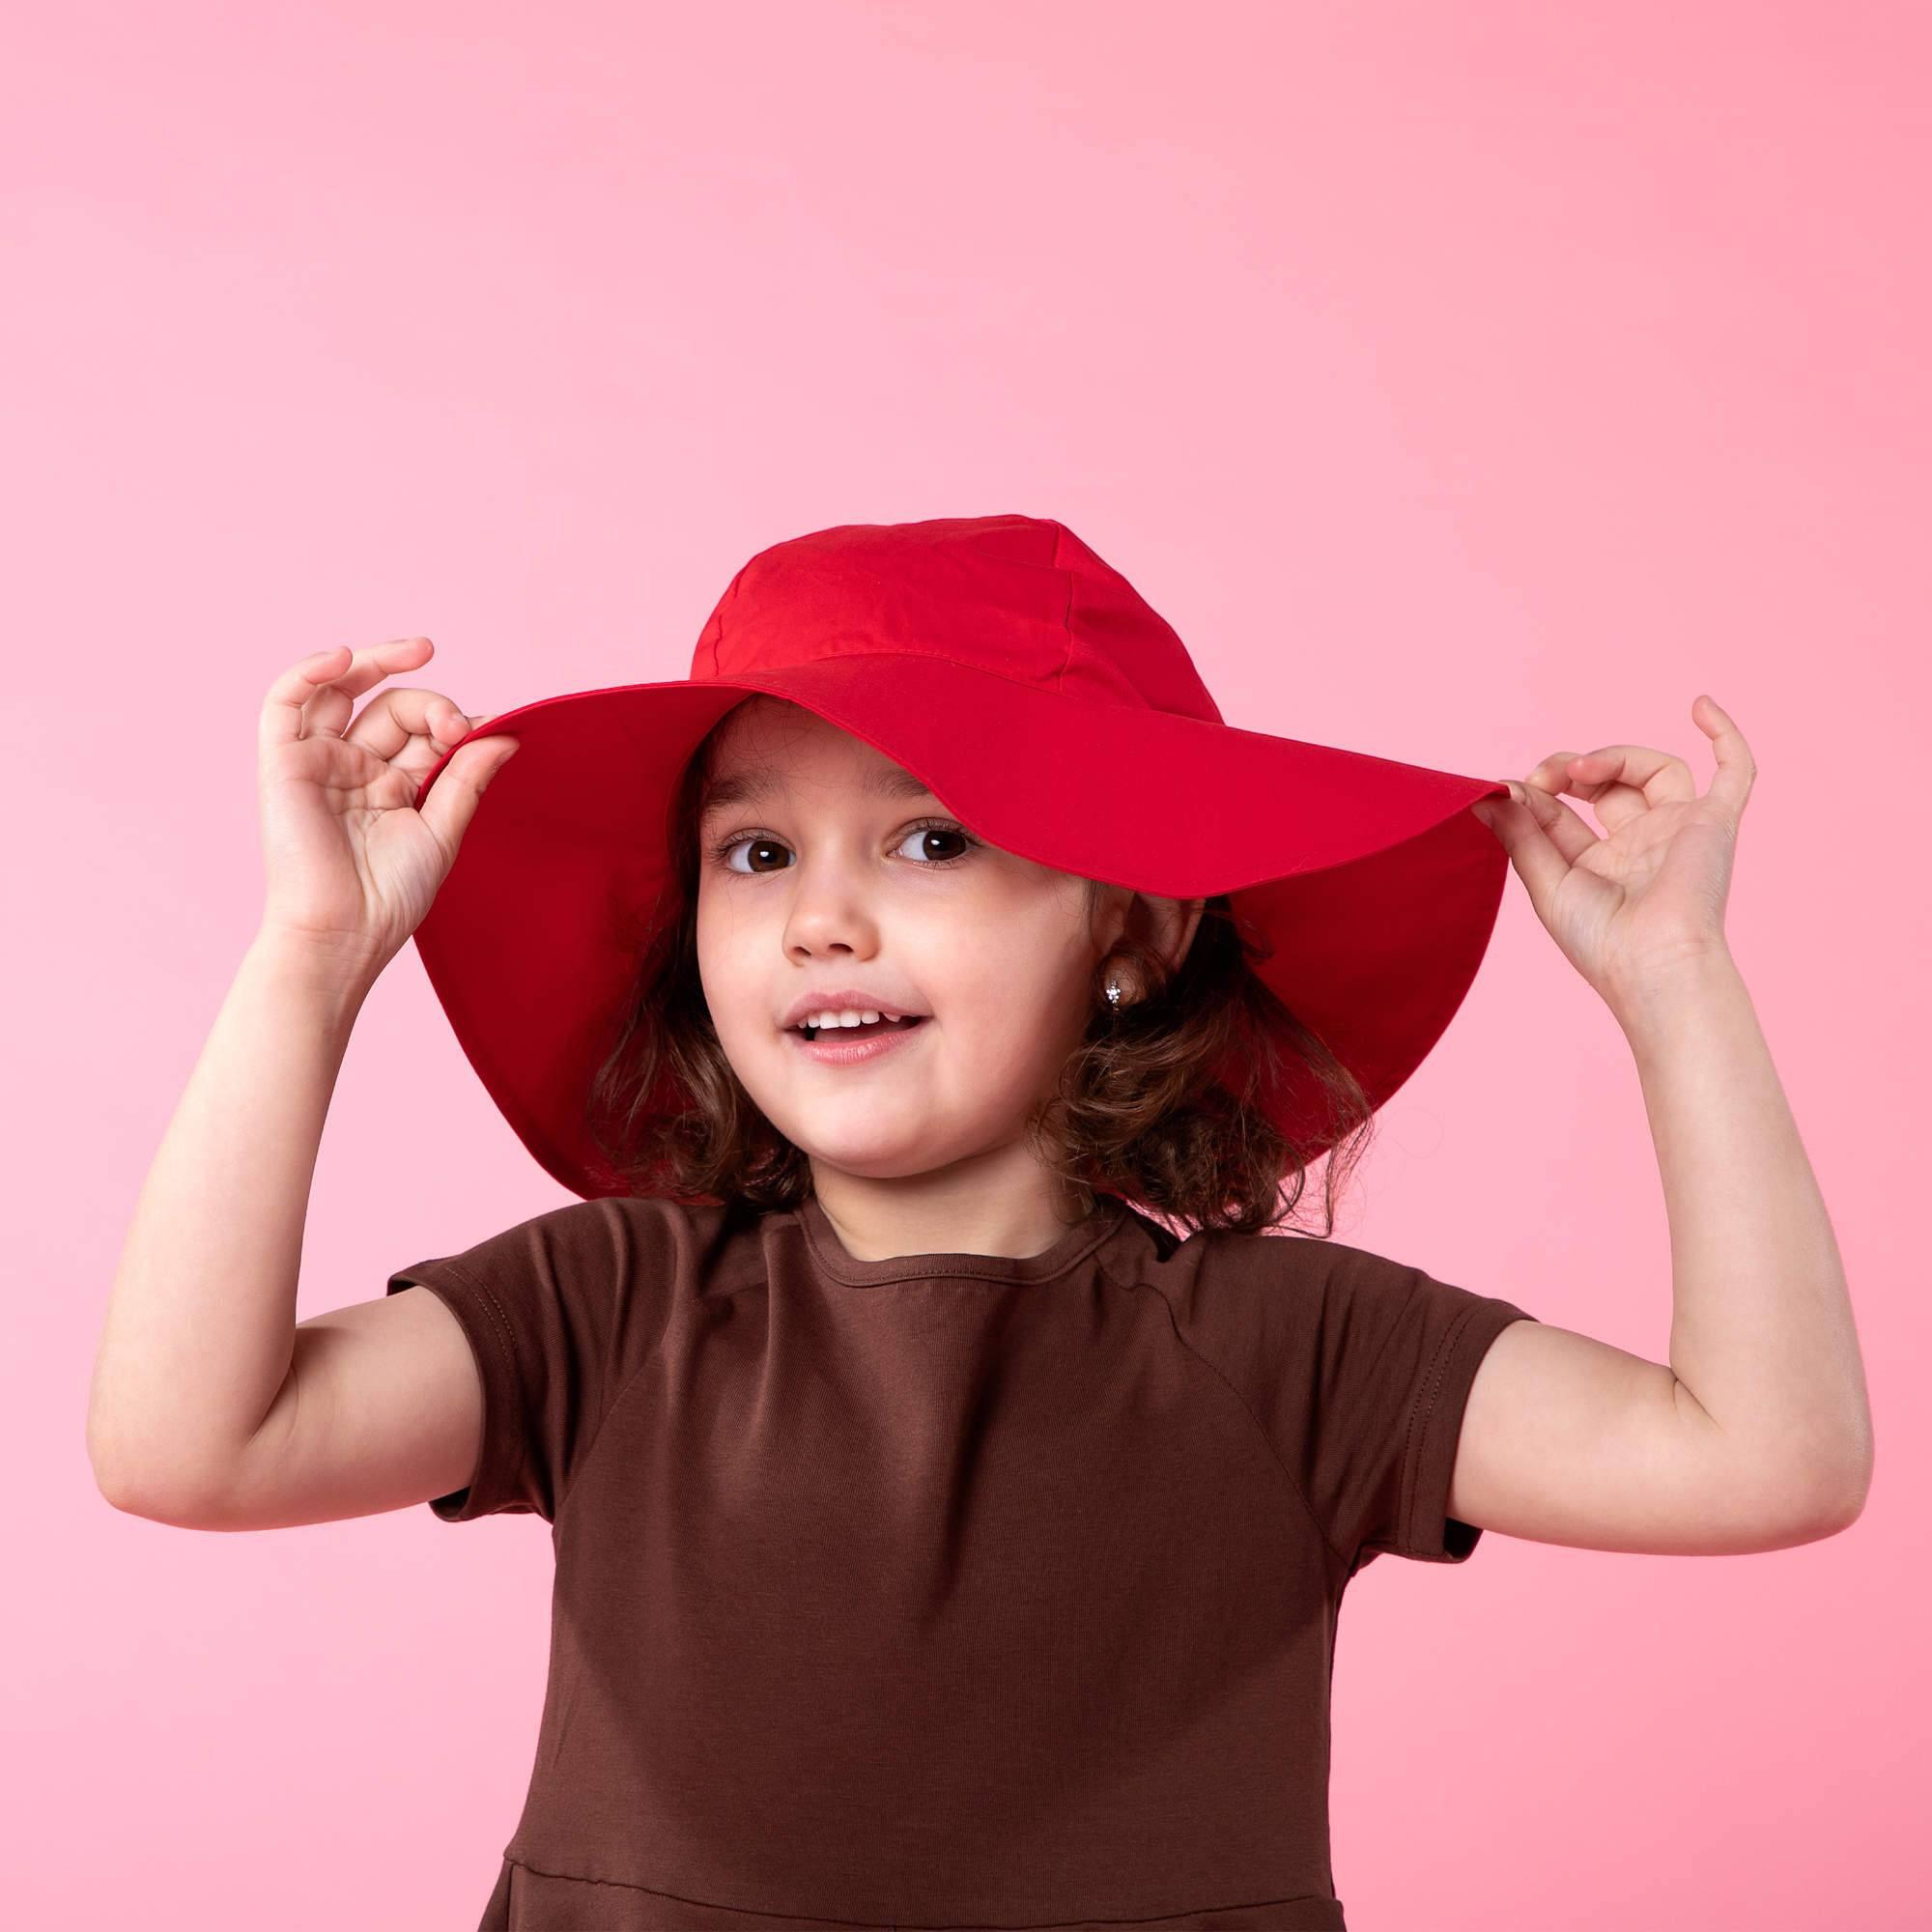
column 1247, row 1409
column 610, row 1406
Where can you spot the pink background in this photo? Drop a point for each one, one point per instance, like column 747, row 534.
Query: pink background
column 1463, row 382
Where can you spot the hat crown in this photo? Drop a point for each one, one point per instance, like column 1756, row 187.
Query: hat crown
column 1018, row 597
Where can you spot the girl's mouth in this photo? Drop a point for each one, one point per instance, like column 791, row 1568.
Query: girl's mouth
column 843, row 1045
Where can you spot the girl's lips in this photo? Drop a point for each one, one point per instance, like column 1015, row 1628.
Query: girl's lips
column 836, row 1050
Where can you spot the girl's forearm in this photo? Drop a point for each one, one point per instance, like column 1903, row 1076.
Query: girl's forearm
column 200, row 1324
column 1761, row 1333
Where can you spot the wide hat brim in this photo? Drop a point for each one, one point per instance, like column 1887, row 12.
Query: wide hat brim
column 1366, row 880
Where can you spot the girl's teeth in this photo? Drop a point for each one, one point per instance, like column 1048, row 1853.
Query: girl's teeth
column 849, row 1021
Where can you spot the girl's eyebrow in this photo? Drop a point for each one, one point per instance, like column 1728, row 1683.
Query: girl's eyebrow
column 752, row 787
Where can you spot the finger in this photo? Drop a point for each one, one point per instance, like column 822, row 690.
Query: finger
column 452, row 800
column 1621, row 782
column 1562, row 826
column 1616, row 801
column 284, row 708
column 1559, row 772
column 1731, row 785
column 1537, row 859
column 1656, row 776
column 390, row 720
column 312, row 696
column 332, row 710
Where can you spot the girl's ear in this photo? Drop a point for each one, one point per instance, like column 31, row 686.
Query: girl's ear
column 1166, row 926
column 1187, row 914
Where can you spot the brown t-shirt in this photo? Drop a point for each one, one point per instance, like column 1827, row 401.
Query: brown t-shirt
column 949, row 1590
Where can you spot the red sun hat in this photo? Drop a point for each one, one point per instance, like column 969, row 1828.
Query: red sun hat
column 1054, row 712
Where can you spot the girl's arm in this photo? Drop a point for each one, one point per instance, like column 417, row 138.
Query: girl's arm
column 209, row 1405
column 1757, row 1432
column 1761, row 1334
column 201, row 1321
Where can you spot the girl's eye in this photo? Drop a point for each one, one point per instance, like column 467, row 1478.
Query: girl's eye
column 726, row 853
column 921, row 836
column 758, row 848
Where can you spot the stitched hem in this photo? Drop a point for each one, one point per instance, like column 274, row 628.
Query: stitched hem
column 1177, row 1920
column 500, row 1461
column 1433, row 1432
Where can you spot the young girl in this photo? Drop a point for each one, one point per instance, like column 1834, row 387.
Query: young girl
column 932, row 1001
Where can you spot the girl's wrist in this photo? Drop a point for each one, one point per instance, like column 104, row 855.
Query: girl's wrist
column 306, row 966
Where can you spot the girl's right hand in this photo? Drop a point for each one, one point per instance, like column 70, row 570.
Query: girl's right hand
column 352, row 866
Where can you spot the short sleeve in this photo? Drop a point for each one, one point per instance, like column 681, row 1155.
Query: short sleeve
column 559, row 1311
column 1358, row 1369
column 1391, row 1355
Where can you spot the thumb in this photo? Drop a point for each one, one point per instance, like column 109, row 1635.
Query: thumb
column 1539, row 865
column 452, row 800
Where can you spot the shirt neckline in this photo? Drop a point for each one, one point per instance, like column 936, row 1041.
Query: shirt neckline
column 829, row 1253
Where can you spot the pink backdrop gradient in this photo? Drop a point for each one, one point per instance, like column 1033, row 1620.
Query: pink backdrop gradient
column 1561, row 362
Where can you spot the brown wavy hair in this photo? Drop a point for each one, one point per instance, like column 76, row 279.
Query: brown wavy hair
column 1138, row 1111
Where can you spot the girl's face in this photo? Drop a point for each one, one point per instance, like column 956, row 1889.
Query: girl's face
column 830, row 867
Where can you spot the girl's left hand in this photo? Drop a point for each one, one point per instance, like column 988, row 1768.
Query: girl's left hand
column 1628, row 907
